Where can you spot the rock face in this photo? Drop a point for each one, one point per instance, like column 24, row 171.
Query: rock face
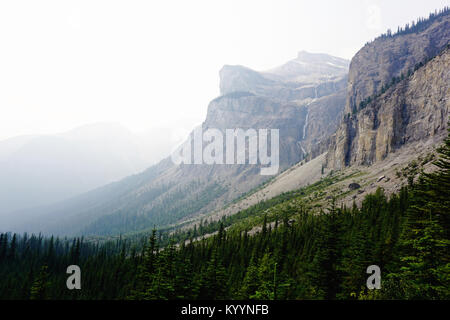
column 313, row 83
column 378, row 62
column 247, row 111
column 413, row 107
column 324, row 118
column 354, row 186
column 417, row 108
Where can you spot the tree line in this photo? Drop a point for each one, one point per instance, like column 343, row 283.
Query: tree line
column 314, row 256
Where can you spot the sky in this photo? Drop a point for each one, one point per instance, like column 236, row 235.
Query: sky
column 155, row 64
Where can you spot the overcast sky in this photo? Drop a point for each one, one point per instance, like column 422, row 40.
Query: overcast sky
column 155, row 63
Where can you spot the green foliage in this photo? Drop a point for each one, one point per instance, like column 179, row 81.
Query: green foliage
column 297, row 254
column 40, row 285
column 426, row 242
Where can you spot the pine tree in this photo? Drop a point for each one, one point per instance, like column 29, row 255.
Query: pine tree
column 3, row 246
column 39, row 289
column 215, row 278
column 146, row 270
column 426, row 256
column 324, row 271
column 266, row 285
column 163, row 281
column 251, row 280
column 12, row 248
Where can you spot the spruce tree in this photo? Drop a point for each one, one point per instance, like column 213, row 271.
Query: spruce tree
column 39, row 289
column 425, row 273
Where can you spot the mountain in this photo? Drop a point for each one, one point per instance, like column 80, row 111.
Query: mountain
column 308, row 67
column 398, row 93
column 315, row 81
column 383, row 142
column 167, row 193
column 37, row 170
column 371, row 196
column 309, row 76
column 389, row 56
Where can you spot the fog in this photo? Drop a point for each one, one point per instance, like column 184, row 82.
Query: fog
column 42, row 169
column 154, row 64
column 146, row 70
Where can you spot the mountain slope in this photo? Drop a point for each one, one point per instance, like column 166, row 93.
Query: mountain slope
column 168, row 193
column 383, row 144
column 37, row 170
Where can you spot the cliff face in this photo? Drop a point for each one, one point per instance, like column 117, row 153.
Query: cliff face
column 324, row 116
column 416, row 108
column 304, row 98
column 395, row 94
column 378, row 62
column 247, row 111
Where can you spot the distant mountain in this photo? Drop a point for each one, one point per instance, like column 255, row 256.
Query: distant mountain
column 308, row 67
column 309, row 76
column 37, row 170
column 168, row 193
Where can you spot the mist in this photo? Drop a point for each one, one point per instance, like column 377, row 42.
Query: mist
column 42, row 169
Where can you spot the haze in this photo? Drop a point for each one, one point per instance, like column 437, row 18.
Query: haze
column 154, row 64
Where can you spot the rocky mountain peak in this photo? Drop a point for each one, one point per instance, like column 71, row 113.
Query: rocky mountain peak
column 309, row 76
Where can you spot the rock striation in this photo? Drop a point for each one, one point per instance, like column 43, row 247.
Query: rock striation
column 398, row 93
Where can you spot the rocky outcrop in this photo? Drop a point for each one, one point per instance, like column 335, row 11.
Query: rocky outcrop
column 258, row 112
column 324, row 117
column 377, row 63
column 395, row 94
column 415, row 109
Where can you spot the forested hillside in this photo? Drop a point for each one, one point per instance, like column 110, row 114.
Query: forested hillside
column 314, row 256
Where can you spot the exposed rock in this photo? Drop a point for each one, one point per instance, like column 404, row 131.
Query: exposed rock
column 324, row 117
column 414, row 109
column 354, row 186
column 258, row 112
column 378, row 62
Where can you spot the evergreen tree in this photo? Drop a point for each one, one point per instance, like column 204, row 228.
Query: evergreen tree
column 425, row 241
column 39, row 289
column 215, row 279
